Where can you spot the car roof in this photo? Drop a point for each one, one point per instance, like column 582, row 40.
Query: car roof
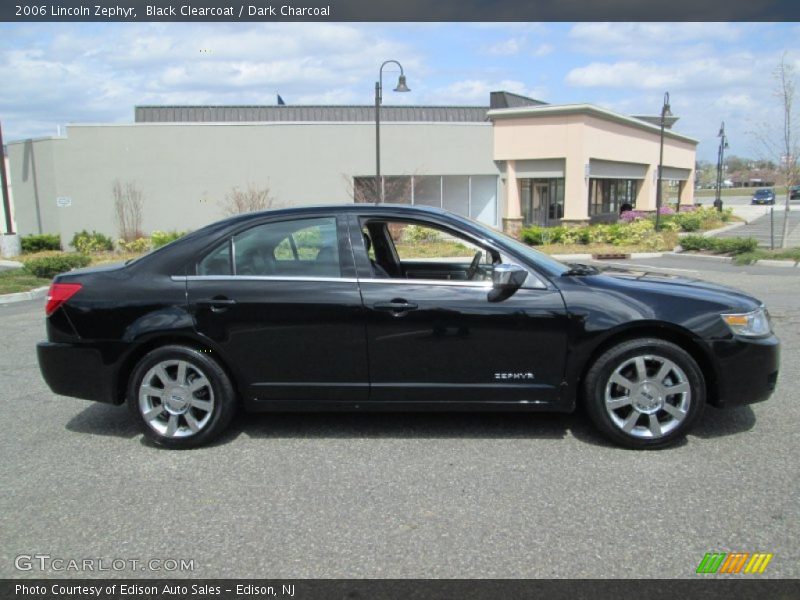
column 360, row 207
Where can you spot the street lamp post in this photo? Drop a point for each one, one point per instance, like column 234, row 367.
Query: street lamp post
column 723, row 143
column 665, row 112
column 401, row 87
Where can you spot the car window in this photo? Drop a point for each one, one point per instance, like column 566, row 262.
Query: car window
column 296, row 248
column 421, row 242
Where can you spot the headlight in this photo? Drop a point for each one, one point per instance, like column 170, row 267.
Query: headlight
column 751, row 324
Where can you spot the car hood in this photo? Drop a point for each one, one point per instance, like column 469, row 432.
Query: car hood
column 675, row 285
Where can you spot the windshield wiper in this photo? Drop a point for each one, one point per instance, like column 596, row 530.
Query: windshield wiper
column 578, row 269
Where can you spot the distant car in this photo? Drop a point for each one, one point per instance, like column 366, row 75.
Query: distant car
column 763, row 196
column 323, row 308
column 794, row 192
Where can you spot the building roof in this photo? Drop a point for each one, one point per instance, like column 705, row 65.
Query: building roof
column 550, row 110
column 305, row 114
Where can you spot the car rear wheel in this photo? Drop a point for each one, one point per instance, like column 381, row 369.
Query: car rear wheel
column 181, row 397
column 645, row 393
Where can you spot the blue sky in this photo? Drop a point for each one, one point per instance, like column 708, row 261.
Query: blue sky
column 54, row 74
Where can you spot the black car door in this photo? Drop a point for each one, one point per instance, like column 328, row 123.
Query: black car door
column 279, row 298
column 435, row 335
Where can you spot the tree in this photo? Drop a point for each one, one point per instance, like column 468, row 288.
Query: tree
column 252, row 199
column 128, row 209
column 782, row 146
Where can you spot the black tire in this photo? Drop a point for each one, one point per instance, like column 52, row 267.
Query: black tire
column 606, row 400
column 201, row 415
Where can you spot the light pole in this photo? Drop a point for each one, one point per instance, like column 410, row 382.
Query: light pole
column 723, row 143
column 665, row 112
column 401, row 87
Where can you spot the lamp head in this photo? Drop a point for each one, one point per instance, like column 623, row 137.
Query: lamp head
column 401, row 85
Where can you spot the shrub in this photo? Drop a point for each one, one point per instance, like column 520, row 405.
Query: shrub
column 136, row 246
column 538, row 236
column 689, row 221
column 719, row 245
column 39, row 243
column 86, row 243
column 413, row 234
column 51, row 265
column 162, row 238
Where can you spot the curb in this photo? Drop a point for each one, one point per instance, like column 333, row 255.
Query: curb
column 764, row 262
column 11, row 264
column 22, row 296
column 768, row 262
column 701, row 256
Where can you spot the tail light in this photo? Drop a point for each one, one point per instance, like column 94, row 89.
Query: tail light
column 58, row 294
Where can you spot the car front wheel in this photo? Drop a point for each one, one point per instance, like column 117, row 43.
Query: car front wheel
column 645, row 393
column 181, row 397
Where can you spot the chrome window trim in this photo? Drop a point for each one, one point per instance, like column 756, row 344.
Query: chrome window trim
column 434, row 282
column 259, row 278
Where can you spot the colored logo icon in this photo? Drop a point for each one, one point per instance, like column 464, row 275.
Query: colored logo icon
column 734, row 562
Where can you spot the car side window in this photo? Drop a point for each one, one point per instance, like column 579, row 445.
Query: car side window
column 421, row 242
column 296, row 248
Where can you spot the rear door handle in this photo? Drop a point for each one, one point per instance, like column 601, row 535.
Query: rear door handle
column 395, row 306
column 217, row 304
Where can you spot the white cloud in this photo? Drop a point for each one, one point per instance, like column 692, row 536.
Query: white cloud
column 476, row 91
column 648, row 39
column 95, row 74
column 543, row 50
column 694, row 74
column 507, row 47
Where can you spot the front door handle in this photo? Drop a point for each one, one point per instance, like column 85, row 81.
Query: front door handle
column 396, row 306
column 217, row 303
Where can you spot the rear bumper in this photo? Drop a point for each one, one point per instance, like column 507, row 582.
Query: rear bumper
column 78, row 371
column 747, row 370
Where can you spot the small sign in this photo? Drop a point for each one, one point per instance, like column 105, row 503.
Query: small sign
column 63, row 201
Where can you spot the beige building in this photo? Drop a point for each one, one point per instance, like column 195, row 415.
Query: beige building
column 517, row 161
column 579, row 163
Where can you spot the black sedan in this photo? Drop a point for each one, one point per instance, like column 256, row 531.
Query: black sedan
column 382, row 307
column 763, row 196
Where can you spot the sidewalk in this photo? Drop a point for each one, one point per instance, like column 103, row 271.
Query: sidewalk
column 760, row 229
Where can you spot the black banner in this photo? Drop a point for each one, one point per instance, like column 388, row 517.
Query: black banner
column 398, row 10
column 390, row 589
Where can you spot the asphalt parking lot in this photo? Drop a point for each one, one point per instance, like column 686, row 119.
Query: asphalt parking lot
column 413, row 495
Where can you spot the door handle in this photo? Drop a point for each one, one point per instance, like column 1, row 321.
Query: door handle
column 217, row 304
column 395, row 306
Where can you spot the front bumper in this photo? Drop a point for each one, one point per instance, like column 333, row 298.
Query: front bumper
column 747, row 370
column 78, row 371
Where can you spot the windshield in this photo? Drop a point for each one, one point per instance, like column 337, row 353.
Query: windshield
column 547, row 263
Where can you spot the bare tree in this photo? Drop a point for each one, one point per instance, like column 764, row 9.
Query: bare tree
column 783, row 147
column 252, row 199
column 363, row 190
column 128, row 209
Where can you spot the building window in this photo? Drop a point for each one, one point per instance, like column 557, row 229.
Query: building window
column 542, row 201
column 472, row 196
column 607, row 196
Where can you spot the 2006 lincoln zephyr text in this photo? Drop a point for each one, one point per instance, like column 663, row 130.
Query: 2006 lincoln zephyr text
column 396, row 307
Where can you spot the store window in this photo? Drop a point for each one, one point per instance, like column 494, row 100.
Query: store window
column 607, row 196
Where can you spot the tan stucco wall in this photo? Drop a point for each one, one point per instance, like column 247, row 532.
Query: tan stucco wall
column 578, row 138
column 185, row 170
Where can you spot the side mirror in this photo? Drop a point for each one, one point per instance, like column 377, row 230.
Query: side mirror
column 508, row 277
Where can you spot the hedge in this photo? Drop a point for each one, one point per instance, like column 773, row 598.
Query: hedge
column 719, row 245
column 49, row 266
column 40, row 243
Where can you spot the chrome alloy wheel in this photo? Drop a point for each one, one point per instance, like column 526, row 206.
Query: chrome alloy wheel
column 648, row 396
column 176, row 399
